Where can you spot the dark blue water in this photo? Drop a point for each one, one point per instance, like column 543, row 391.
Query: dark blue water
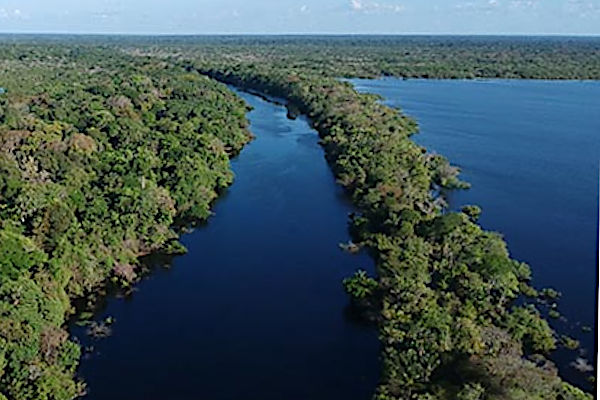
column 256, row 309
column 531, row 151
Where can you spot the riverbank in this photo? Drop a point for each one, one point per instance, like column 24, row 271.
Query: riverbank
column 257, row 300
column 444, row 286
column 97, row 167
column 530, row 150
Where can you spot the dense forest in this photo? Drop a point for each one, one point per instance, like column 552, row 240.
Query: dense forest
column 461, row 57
column 99, row 157
column 464, row 57
column 108, row 143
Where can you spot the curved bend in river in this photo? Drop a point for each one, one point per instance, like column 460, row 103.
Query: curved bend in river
column 256, row 309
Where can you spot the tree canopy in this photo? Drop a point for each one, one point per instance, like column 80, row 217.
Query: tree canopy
column 107, row 143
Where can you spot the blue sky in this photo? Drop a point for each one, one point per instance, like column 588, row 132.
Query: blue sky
column 302, row 16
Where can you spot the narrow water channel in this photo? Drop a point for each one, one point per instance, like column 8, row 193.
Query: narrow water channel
column 256, row 309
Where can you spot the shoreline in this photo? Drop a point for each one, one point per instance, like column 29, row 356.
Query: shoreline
column 257, row 85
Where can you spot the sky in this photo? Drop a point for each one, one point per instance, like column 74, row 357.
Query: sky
column 581, row 17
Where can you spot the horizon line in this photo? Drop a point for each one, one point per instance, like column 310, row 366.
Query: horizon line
column 161, row 34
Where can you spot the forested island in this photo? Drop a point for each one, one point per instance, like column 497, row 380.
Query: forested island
column 110, row 144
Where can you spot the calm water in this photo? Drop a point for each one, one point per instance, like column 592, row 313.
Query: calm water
column 531, row 151
column 256, row 309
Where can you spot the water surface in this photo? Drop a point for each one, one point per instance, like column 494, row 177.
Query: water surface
column 530, row 149
column 256, row 309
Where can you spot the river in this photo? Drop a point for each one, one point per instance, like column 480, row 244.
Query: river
column 256, row 308
column 531, row 151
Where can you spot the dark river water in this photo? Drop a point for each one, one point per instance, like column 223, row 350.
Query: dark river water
column 256, row 309
column 531, row 151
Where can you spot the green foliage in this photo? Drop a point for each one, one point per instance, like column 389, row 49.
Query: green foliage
column 553, row 314
column 174, row 248
column 104, row 147
column 18, row 254
column 444, row 174
column 473, row 212
column 549, row 294
column 100, row 154
column 447, row 57
column 528, row 291
column 360, row 286
column 569, row 392
column 525, row 324
column 569, row 342
column 445, row 286
column 471, row 392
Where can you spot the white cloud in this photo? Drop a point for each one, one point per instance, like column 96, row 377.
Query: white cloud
column 304, row 9
column 583, row 8
column 12, row 14
column 523, row 4
column 476, row 6
column 490, row 6
column 356, row 5
column 106, row 14
column 374, row 7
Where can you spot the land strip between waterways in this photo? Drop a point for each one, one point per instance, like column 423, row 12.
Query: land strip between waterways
column 445, row 287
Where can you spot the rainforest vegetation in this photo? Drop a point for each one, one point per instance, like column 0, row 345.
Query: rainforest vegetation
column 445, row 287
column 106, row 143
column 98, row 159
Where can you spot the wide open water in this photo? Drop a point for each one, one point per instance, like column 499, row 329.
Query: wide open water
column 256, row 309
column 531, row 151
